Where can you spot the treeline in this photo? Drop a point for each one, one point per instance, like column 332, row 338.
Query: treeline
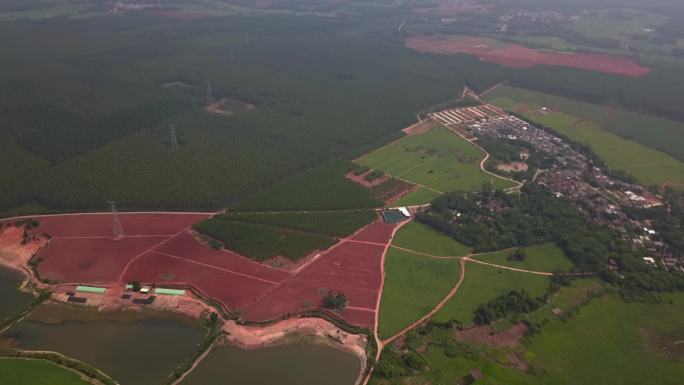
column 498, row 221
column 338, row 224
column 531, row 218
column 511, row 303
column 262, row 242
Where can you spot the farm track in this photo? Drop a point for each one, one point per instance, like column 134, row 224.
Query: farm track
column 518, row 185
column 463, row 262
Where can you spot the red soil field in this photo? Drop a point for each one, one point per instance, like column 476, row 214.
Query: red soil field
column 100, row 225
column 378, row 232
column 514, row 55
column 90, row 259
column 233, row 290
column 353, row 268
column 83, row 251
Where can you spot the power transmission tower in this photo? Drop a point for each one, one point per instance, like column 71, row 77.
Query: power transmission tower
column 174, row 140
column 117, row 229
column 210, row 97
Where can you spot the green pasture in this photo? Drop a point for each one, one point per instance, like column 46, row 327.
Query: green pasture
column 16, row 371
column 439, row 160
column 484, row 283
column 418, row 237
column 546, row 258
column 414, row 284
column 607, row 132
column 420, row 196
column 607, row 333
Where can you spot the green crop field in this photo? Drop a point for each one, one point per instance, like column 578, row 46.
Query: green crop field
column 95, row 108
column 484, row 283
column 321, row 188
column 338, row 224
column 36, row 372
column 547, row 258
column 418, row 237
column 439, row 160
column 262, row 242
column 606, row 131
column 414, row 284
column 418, row 197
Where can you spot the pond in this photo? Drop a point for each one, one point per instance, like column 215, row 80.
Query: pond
column 138, row 352
column 295, row 364
column 12, row 300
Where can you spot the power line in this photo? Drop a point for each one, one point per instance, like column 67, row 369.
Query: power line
column 210, row 96
column 117, row 229
column 174, row 139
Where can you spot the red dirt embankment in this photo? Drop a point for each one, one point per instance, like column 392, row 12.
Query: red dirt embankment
column 514, row 55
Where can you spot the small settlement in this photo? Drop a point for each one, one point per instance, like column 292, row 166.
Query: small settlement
column 579, row 178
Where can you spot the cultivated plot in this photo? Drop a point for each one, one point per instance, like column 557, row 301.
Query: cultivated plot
column 438, row 160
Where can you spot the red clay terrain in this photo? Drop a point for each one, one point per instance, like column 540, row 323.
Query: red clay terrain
column 514, row 55
column 353, row 267
column 161, row 249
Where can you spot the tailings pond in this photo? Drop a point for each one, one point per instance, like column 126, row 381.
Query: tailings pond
column 12, row 300
column 297, row 364
column 133, row 352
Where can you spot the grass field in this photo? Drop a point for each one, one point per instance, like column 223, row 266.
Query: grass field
column 606, row 131
column 419, row 237
column 438, row 160
column 606, row 334
column 413, row 286
column 547, row 258
column 418, row 197
column 484, row 283
column 36, row 372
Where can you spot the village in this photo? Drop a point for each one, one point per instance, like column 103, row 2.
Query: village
column 573, row 174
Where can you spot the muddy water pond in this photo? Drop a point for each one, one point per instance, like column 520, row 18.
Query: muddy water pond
column 12, row 300
column 138, row 352
column 296, row 364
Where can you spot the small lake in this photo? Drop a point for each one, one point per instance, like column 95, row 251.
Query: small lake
column 280, row 365
column 12, row 300
column 140, row 352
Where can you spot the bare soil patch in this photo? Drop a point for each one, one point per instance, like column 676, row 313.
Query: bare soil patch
column 228, row 106
column 418, row 128
column 512, row 167
column 671, row 345
column 361, row 179
column 485, row 335
column 514, row 55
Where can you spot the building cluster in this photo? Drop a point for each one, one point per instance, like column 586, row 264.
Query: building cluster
column 521, row 18
column 574, row 175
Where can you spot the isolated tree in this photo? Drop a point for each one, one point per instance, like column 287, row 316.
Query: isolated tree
column 334, row 301
column 136, row 286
